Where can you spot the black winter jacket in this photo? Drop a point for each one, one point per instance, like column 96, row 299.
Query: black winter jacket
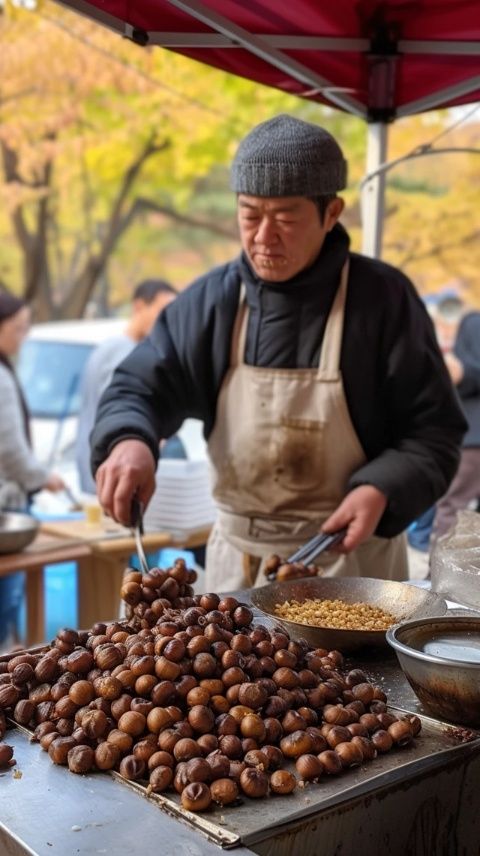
column 401, row 400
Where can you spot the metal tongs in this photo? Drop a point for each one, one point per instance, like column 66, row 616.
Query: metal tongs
column 137, row 526
column 316, row 545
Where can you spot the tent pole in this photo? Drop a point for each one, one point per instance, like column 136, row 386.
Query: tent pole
column 373, row 193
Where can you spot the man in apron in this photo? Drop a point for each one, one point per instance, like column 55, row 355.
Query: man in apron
column 325, row 399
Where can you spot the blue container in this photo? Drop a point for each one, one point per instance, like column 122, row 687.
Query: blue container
column 60, row 597
column 60, row 583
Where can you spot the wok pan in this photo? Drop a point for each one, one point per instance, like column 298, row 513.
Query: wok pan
column 400, row 599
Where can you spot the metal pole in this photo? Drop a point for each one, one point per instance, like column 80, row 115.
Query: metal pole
column 373, row 193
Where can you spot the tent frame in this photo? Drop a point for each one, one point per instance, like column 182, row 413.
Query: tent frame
column 382, row 52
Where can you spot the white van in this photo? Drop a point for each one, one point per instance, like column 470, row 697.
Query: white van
column 50, row 367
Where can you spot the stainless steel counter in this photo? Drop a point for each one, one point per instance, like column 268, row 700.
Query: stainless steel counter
column 412, row 803
column 51, row 812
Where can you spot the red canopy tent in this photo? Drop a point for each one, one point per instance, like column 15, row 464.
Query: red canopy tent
column 378, row 59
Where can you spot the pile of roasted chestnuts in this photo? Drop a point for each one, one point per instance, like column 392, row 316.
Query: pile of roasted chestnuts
column 188, row 695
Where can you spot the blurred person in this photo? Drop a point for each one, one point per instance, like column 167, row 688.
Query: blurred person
column 21, row 475
column 325, row 400
column 458, row 328
column 445, row 309
column 149, row 299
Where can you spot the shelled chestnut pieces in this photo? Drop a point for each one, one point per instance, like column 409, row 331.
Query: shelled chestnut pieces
column 188, row 695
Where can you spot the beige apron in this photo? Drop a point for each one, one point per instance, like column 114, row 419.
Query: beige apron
column 282, row 450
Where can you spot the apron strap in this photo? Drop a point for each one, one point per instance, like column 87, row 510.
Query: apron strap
column 239, row 333
column 251, row 566
column 329, row 362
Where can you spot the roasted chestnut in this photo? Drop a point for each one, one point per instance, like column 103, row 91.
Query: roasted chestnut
column 81, row 759
column 198, row 770
column 254, row 783
column 350, row 754
column 382, row 740
column 282, row 782
column 224, row 791
column 366, row 747
column 196, row 797
column 309, row 767
column 132, row 768
column 160, row 779
column 331, row 762
column 401, row 732
column 107, row 756
column 296, row 744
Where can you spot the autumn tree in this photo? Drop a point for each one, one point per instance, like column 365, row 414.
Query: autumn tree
column 432, row 232
column 94, row 133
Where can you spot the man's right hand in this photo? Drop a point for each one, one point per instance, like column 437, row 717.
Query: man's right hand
column 128, row 471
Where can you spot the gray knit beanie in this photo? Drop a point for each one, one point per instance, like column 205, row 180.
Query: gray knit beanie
column 288, row 157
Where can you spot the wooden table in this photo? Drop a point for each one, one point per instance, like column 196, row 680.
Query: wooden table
column 44, row 550
column 102, row 554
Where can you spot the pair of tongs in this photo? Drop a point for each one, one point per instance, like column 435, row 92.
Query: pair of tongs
column 318, row 544
column 136, row 517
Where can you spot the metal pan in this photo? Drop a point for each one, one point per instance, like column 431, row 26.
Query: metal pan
column 440, row 659
column 400, row 599
column 17, row 531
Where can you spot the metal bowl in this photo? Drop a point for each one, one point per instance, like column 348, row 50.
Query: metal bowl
column 400, row 599
column 440, row 658
column 17, row 531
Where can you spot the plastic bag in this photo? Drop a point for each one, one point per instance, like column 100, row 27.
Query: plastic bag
column 455, row 561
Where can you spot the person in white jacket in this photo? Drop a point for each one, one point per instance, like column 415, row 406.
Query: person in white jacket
column 21, row 475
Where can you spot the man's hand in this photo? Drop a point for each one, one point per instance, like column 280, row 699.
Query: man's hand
column 54, row 483
column 360, row 511
column 128, row 471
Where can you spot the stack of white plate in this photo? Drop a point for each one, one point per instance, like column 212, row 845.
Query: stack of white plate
column 182, row 502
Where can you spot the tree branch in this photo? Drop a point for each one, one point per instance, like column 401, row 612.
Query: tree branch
column 12, row 176
column 32, row 243
column 142, row 204
column 79, row 293
column 439, row 249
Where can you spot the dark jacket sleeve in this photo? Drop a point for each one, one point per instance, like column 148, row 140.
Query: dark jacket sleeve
column 423, row 418
column 174, row 373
